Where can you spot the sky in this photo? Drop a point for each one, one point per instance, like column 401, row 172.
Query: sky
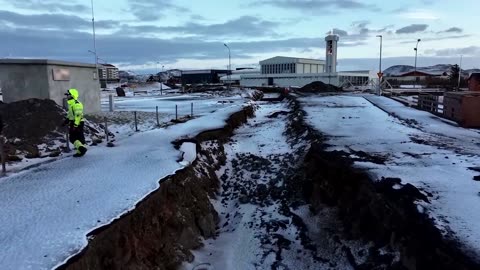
column 148, row 35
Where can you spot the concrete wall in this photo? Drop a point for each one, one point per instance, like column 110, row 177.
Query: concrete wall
column 22, row 79
column 20, row 82
column 82, row 79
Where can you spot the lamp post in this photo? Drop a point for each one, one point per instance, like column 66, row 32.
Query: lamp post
column 459, row 73
column 229, row 66
column 416, row 54
column 380, row 75
column 161, row 82
column 94, row 39
column 105, row 61
column 96, row 63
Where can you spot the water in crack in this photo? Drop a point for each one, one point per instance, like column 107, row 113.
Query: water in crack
column 265, row 223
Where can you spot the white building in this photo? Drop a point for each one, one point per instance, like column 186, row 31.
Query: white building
column 298, row 72
column 291, row 65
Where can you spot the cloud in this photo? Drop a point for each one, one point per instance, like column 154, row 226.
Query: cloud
column 413, row 28
column 152, row 10
column 435, row 39
column 49, row 5
column 73, row 46
column 472, row 51
column 310, row 5
column 246, row 26
column 50, row 21
column 453, row 30
column 415, row 14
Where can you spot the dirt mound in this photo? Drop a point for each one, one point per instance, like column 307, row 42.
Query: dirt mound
column 319, row 87
column 31, row 120
column 36, row 123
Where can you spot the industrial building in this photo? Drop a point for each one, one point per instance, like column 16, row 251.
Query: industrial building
column 22, row 79
column 203, row 76
column 289, row 71
column 236, row 75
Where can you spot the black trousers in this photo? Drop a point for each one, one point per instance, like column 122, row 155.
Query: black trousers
column 76, row 133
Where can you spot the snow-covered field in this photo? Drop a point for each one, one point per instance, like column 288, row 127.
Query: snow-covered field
column 429, row 152
column 46, row 212
column 121, row 120
column 203, row 103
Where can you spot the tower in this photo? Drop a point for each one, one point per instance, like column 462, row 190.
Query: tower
column 331, row 53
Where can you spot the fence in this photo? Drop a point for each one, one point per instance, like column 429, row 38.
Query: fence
column 429, row 103
column 3, row 154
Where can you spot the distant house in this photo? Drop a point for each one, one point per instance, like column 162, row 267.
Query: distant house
column 418, row 76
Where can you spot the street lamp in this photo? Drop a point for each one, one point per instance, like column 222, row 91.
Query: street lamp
column 161, row 82
column 380, row 75
column 98, row 58
column 416, row 54
column 459, row 73
column 94, row 43
column 94, row 39
column 229, row 66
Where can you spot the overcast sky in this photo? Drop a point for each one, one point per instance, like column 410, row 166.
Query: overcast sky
column 136, row 34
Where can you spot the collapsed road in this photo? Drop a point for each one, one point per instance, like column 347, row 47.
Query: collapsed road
column 271, row 195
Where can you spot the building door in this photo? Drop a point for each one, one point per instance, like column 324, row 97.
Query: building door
column 270, row 81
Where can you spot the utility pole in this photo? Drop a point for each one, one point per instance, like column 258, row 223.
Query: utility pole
column 229, row 66
column 380, row 73
column 161, row 82
column 416, row 54
column 459, row 73
column 94, row 43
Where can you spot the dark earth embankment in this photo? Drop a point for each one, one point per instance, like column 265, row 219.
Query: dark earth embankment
column 376, row 211
column 168, row 223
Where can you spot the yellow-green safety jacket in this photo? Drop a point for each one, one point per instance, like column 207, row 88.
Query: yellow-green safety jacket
column 75, row 108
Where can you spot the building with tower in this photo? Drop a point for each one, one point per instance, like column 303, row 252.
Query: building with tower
column 331, row 52
column 297, row 72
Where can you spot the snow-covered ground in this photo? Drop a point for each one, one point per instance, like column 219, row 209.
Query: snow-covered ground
column 258, row 229
column 121, row 121
column 429, row 152
column 46, row 212
column 203, row 103
column 149, row 87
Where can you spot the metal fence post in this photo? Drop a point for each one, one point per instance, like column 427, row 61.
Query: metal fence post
column 3, row 155
column 106, row 129
column 176, row 112
column 191, row 109
column 67, row 134
column 110, row 102
column 136, row 125
column 158, row 120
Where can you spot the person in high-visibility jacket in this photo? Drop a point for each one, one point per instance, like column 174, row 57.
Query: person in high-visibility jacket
column 76, row 122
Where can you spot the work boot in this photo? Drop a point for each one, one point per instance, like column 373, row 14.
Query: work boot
column 82, row 150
